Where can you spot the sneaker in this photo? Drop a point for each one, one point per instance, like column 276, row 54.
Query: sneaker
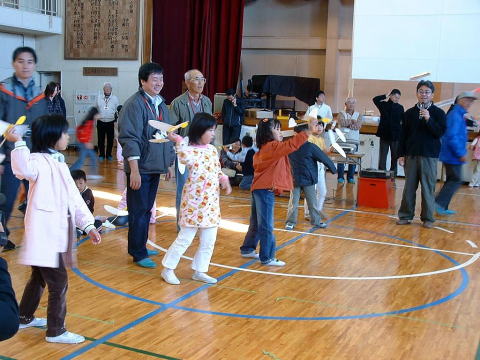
column 428, row 224
column 101, row 158
column 36, row 322
column 441, row 211
column 203, row 277
column 9, row 246
column 321, row 225
column 22, row 207
column 351, row 181
column 66, row 338
column 169, row 276
column 152, row 252
column 341, row 181
column 147, row 263
column 252, row 255
column 471, row 185
column 275, row 262
column 404, row 222
column 109, row 158
column 289, row 226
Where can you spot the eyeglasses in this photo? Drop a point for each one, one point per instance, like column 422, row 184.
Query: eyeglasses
column 199, row 79
column 426, row 92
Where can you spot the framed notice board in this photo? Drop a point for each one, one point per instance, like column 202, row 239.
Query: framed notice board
column 101, row 29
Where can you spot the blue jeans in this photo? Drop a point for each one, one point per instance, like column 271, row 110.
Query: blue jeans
column 452, row 182
column 350, row 171
column 261, row 226
column 246, row 182
column 139, row 203
column 84, row 153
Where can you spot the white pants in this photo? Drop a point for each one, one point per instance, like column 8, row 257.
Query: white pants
column 202, row 257
column 476, row 173
column 321, row 189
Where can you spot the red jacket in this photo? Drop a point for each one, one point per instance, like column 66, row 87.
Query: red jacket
column 271, row 164
column 84, row 132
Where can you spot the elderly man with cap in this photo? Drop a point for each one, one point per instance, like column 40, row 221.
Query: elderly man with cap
column 453, row 151
column 107, row 106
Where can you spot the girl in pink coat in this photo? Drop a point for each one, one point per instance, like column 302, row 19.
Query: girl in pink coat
column 54, row 209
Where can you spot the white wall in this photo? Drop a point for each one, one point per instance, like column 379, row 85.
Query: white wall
column 435, row 37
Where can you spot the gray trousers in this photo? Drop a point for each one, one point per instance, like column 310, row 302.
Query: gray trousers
column 424, row 170
column 311, row 197
column 382, row 158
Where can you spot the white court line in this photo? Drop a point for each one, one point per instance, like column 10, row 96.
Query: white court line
column 375, row 242
column 395, row 217
column 465, row 264
column 472, row 244
column 440, row 228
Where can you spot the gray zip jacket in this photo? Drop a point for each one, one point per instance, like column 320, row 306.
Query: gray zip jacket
column 135, row 133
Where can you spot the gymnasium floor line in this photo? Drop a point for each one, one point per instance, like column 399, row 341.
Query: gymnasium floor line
column 162, row 307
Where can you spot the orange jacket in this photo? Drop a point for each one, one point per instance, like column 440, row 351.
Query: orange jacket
column 271, row 164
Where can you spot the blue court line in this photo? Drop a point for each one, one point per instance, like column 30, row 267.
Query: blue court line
column 173, row 304
column 163, row 307
column 113, row 334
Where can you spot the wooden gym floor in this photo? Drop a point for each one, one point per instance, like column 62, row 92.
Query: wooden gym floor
column 363, row 288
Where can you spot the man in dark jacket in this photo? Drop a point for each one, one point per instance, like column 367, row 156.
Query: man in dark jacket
column 454, row 151
column 9, row 320
column 305, row 176
column 19, row 95
column 419, row 147
column 145, row 161
column 391, row 116
column 232, row 115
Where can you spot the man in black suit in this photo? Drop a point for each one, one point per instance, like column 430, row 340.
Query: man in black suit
column 391, row 116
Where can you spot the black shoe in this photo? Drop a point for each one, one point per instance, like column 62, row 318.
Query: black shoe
column 9, row 246
column 22, row 207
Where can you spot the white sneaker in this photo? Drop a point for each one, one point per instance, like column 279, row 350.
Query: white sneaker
column 108, row 225
column 252, row 255
column 201, row 276
column 94, row 177
column 66, row 338
column 35, row 322
column 289, row 226
column 471, row 184
column 275, row 262
column 169, row 276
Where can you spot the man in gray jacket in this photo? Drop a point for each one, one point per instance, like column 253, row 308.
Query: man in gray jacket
column 19, row 95
column 145, row 160
column 183, row 108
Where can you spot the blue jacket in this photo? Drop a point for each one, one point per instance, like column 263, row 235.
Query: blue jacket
column 455, row 138
column 304, row 164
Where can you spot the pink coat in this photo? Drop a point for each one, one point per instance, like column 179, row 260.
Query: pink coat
column 51, row 197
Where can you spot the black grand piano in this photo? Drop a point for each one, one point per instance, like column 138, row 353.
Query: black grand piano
column 302, row 88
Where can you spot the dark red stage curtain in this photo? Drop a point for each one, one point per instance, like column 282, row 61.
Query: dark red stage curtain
column 198, row 34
